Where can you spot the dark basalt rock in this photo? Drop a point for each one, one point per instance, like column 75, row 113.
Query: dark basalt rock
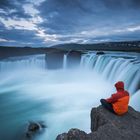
column 73, row 134
column 54, row 60
column 108, row 126
column 100, row 53
column 73, row 59
column 35, row 128
column 63, row 136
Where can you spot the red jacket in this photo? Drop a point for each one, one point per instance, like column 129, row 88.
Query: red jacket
column 120, row 99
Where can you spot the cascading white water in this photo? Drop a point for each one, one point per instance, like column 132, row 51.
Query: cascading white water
column 30, row 92
column 135, row 99
column 65, row 61
column 14, row 63
column 115, row 68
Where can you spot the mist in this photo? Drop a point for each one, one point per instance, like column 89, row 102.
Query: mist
column 61, row 98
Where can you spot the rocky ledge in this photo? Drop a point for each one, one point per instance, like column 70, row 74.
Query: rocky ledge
column 108, row 126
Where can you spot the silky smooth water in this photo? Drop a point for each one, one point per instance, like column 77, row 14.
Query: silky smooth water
column 61, row 98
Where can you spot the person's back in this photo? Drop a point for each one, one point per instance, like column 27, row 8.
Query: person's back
column 119, row 101
column 120, row 106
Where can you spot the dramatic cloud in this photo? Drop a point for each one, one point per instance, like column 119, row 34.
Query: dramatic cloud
column 47, row 22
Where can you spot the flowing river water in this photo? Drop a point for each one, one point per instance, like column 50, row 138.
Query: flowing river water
column 61, row 98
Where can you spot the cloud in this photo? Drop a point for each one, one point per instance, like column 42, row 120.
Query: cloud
column 70, row 17
column 13, row 8
column 29, row 25
column 5, row 40
column 47, row 22
column 133, row 29
column 18, row 24
column 35, row 2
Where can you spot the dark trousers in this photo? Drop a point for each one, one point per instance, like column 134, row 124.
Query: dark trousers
column 107, row 105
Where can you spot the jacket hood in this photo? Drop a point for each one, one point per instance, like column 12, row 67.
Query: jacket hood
column 119, row 85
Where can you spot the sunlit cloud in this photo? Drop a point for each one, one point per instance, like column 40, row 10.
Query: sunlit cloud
column 18, row 24
column 128, row 29
column 5, row 40
column 133, row 29
column 47, row 37
column 29, row 9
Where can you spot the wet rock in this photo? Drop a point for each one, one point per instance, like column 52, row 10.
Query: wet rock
column 73, row 59
column 35, row 128
column 108, row 126
column 63, row 136
column 73, row 134
column 54, row 60
column 100, row 53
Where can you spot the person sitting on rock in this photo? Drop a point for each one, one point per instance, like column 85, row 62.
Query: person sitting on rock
column 118, row 102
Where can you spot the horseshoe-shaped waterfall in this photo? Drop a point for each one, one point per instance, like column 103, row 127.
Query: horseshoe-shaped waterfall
column 63, row 97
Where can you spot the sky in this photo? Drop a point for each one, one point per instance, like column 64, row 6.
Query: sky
column 43, row 23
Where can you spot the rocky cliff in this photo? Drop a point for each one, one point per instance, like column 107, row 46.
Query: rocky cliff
column 108, row 126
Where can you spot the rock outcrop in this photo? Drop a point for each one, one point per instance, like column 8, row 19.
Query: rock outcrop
column 100, row 53
column 54, row 60
column 73, row 59
column 35, row 128
column 108, row 126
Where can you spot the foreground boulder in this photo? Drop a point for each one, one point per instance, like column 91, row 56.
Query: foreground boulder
column 108, row 126
column 73, row 134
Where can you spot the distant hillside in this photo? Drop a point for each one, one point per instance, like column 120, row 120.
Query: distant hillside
column 21, row 51
column 133, row 46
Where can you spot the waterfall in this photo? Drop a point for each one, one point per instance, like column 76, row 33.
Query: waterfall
column 24, row 62
column 135, row 99
column 65, row 61
column 36, row 93
column 115, row 68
